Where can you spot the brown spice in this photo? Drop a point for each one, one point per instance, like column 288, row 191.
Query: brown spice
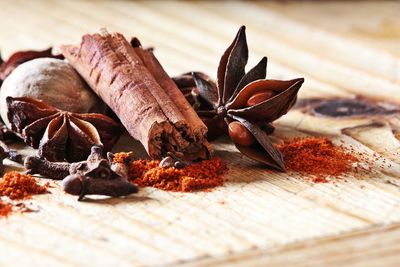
column 136, row 87
column 8, row 66
column 5, row 209
column 318, row 158
column 93, row 176
column 60, row 135
column 245, row 102
column 20, row 186
column 198, row 176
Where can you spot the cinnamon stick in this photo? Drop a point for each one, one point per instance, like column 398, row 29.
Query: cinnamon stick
column 133, row 83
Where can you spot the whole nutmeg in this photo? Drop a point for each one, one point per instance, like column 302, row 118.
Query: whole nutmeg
column 55, row 82
column 240, row 135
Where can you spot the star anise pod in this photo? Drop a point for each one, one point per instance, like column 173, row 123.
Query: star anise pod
column 58, row 134
column 244, row 104
column 188, row 86
column 8, row 66
column 6, row 134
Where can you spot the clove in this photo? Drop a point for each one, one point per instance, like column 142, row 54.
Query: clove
column 6, row 152
column 52, row 170
column 10, row 153
column 94, row 176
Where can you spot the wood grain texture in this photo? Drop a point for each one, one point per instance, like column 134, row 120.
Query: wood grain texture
column 375, row 246
column 259, row 217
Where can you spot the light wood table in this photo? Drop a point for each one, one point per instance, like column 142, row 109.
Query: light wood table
column 259, row 217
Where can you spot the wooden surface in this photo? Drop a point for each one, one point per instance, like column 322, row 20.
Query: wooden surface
column 259, row 217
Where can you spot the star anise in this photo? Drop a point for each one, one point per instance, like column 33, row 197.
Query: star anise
column 243, row 104
column 6, row 67
column 58, row 134
column 6, row 134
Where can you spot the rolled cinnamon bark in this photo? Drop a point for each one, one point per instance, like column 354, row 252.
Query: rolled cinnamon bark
column 135, row 86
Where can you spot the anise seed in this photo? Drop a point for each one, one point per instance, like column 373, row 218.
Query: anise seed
column 240, row 135
column 259, row 97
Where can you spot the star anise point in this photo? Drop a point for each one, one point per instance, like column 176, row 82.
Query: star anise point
column 60, row 135
column 248, row 98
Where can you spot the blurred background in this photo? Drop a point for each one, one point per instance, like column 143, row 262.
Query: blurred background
column 339, row 46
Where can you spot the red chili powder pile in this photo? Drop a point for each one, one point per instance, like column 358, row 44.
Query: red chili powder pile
column 317, row 158
column 204, row 175
column 16, row 185
column 5, row 209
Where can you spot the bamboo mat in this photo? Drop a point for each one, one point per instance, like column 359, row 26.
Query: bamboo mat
column 259, row 217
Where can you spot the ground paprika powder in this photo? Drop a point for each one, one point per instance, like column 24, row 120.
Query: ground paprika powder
column 16, row 186
column 317, row 158
column 5, row 209
column 203, row 175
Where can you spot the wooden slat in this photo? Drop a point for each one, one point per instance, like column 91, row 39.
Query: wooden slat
column 375, row 246
column 258, row 216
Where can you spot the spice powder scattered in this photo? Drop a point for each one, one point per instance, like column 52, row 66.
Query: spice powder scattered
column 204, row 175
column 5, row 209
column 318, row 158
column 16, row 185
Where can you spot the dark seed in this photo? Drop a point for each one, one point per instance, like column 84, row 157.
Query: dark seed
column 240, row 135
column 259, row 97
column 180, row 165
column 167, row 162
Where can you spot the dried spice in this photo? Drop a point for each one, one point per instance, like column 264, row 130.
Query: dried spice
column 204, row 175
column 188, row 87
column 5, row 133
column 16, row 185
column 53, row 81
column 3, row 155
column 8, row 66
column 346, row 107
column 93, row 176
column 10, row 153
column 6, row 152
column 173, row 161
column 58, row 134
column 317, row 158
column 244, row 104
column 133, row 83
column 5, row 208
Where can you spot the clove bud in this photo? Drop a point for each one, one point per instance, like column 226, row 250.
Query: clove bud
column 76, row 184
column 95, row 176
column 240, row 135
column 11, row 154
column 52, row 170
